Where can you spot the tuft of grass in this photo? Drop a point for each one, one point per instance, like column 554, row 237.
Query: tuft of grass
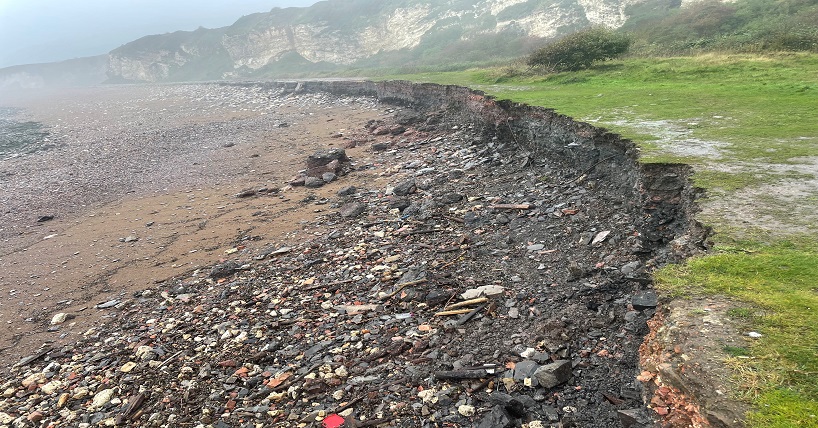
column 736, row 351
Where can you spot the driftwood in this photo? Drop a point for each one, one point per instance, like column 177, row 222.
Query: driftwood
column 511, row 206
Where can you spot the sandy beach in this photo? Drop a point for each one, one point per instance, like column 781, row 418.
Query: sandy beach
column 142, row 185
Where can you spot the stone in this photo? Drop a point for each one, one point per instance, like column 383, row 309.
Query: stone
column 646, row 299
column 630, row 268
column 347, row 191
column 483, row 290
column 525, row 370
column 313, row 182
column 59, row 318
column 102, row 398
column 405, row 187
column 379, row 146
column 498, row 417
column 130, row 238
column 535, row 247
column 633, row 418
column 328, row 177
column 352, row 210
column 465, row 410
column 551, row 375
column 324, row 157
column 224, row 269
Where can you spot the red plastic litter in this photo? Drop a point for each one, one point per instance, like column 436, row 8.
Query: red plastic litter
column 333, row 421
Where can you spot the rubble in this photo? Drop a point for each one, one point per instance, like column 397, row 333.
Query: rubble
column 460, row 289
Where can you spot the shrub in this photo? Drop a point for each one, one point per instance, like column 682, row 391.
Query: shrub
column 580, row 50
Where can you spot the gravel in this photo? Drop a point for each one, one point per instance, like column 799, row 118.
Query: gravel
column 459, row 287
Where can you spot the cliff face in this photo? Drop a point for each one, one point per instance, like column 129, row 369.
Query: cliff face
column 75, row 72
column 348, row 33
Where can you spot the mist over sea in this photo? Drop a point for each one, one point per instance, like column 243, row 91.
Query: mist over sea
column 19, row 138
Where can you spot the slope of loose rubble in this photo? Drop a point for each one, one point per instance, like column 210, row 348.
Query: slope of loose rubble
column 483, row 270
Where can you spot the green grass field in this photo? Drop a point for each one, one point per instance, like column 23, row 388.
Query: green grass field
column 749, row 125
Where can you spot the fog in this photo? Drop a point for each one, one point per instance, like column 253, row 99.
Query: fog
column 36, row 31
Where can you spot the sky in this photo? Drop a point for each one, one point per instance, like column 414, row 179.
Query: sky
column 35, row 31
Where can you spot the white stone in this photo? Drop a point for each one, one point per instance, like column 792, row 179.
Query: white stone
column 465, row 410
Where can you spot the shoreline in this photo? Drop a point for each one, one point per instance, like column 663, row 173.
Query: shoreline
column 112, row 176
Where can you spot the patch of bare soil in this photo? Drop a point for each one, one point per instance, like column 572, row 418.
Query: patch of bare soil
column 683, row 360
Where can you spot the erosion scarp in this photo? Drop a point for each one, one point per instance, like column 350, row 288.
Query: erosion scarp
column 484, row 264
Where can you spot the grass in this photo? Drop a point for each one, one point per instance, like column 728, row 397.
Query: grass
column 760, row 113
column 781, row 281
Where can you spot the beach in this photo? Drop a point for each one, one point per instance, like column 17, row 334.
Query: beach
column 142, row 183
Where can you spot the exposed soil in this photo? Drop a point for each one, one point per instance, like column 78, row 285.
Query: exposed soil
column 325, row 304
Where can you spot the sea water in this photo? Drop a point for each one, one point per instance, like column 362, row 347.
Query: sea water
column 18, row 138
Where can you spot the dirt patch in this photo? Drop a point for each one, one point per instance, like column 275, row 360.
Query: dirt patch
column 683, row 360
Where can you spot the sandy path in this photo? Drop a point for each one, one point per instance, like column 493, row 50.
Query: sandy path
column 159, row 163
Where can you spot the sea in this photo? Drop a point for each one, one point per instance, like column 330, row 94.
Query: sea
column 19, row 138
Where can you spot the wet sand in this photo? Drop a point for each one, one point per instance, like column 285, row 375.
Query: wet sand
column 161, row 164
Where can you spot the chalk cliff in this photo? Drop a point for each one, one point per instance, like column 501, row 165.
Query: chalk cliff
column 336, row 34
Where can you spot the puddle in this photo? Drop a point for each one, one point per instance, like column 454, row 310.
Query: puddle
column 672, row 137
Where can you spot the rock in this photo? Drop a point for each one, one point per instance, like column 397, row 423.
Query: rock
column 45, row 218
column 347, row 191
column 525, row 370
column 324, row 157
column 328, row 177
column 497, row 418
column 352, row 210
column 313, row 182
column 102, row 398
column 535, row 247
column 59, row 318
column 630, row 268
column 108, row 304
column 379, row 147
column 465, row 410
column 514, row 313
column 51, row 387
column 405, row 187
column 483, row 290
column 551, row 375
column 224, row 270
column 35, row 417
column 130, row 238
column 644, row 300
column 601, row 236
column 633, row 418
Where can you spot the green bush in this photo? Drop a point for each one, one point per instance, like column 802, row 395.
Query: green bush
column 580, row 50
